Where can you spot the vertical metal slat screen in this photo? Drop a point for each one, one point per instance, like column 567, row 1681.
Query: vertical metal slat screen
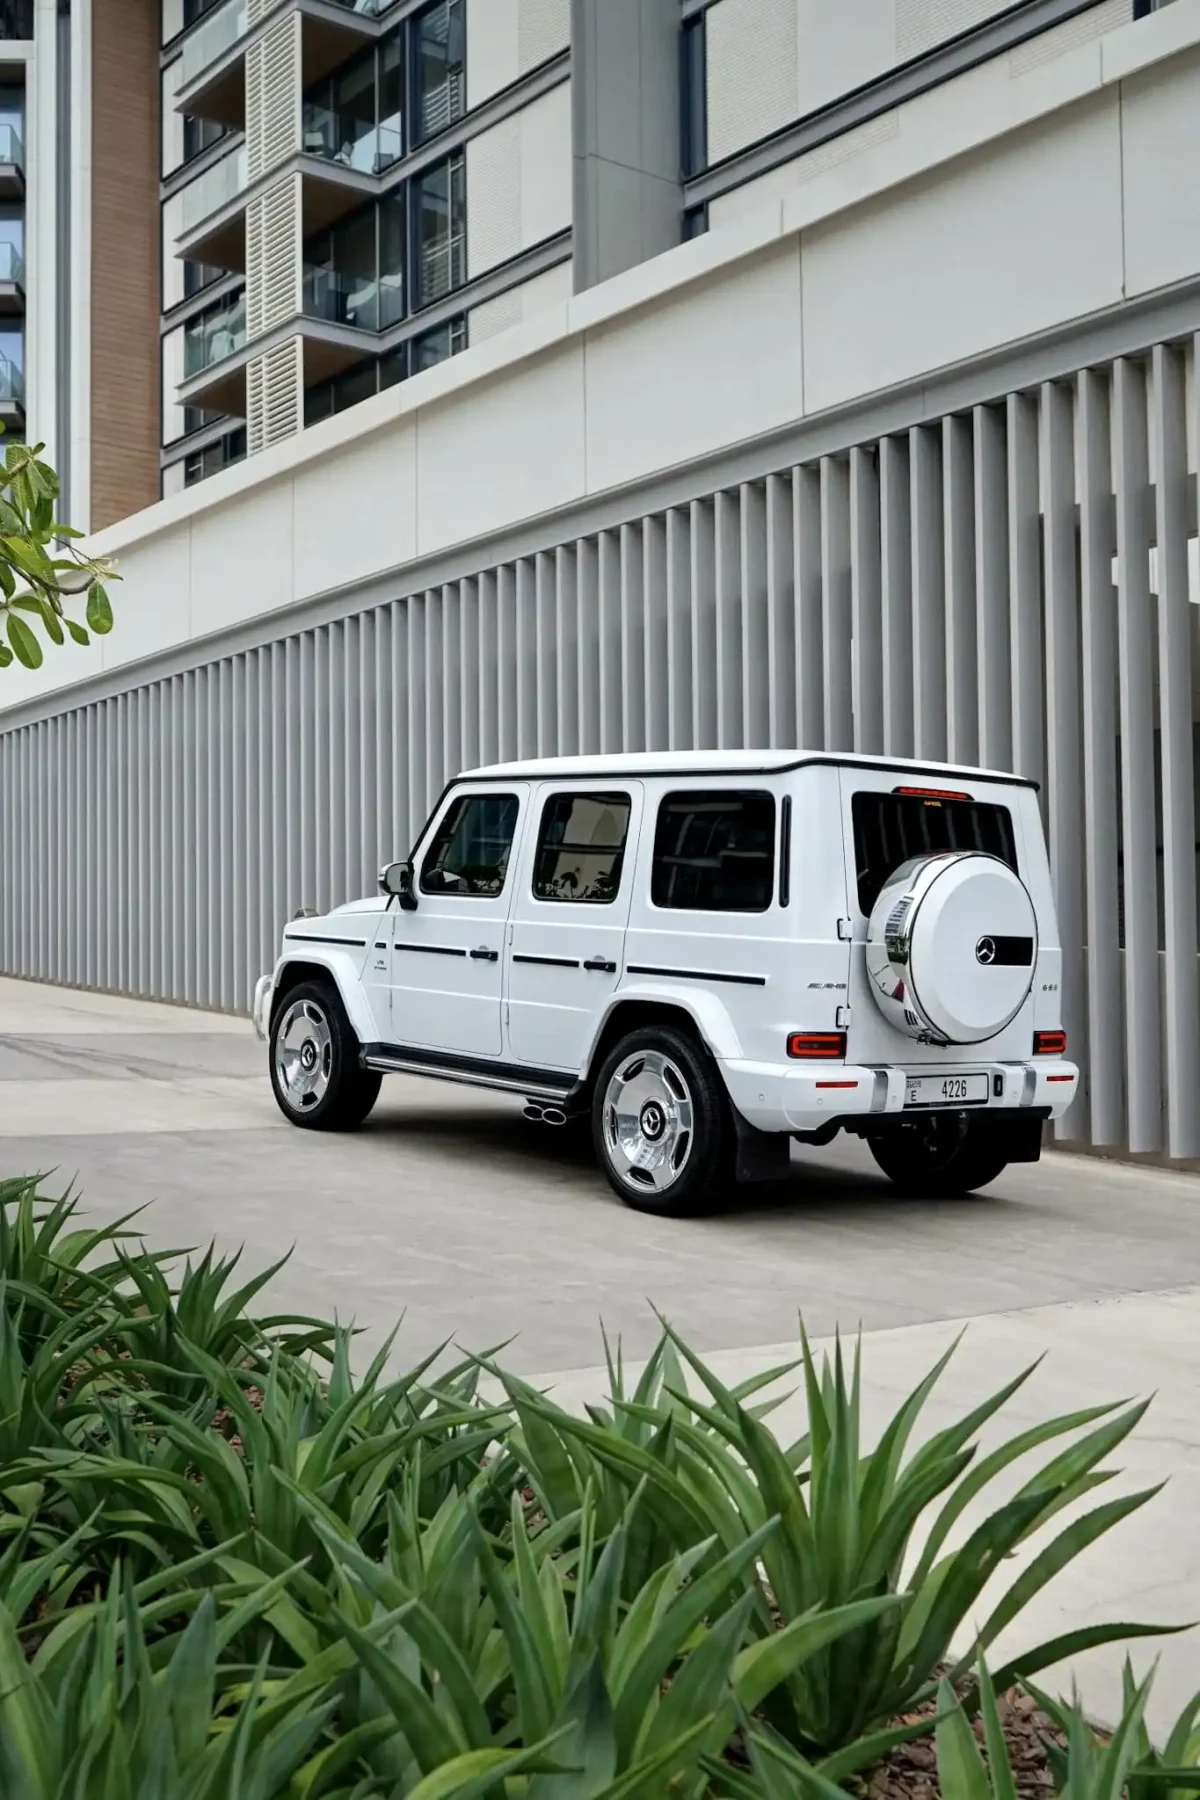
column 1008, row 583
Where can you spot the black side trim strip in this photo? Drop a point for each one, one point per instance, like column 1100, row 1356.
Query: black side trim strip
column 298, row 937
column 483, row 1070
column 550, row 962
column 697, row 975
column 785, row 851
column 430, row 949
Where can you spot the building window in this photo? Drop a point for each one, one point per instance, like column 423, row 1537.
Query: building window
column 433, row 347
column 374, row 374
column 355, row 116
column 12, row 242
column 440, row 226
column 581, row 848
column 198, row 276
column 196, row 9
column 200, row 135
column 214, row 334
column 12, row 125
column 693, row 108
column 354, row 272
column 16, row 18
column 714, row 852
column 227, row 450
column 439, row 45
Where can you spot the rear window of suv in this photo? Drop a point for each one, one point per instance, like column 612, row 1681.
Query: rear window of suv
column 890, row 829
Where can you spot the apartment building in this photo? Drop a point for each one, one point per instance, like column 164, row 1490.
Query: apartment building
column 531, row 377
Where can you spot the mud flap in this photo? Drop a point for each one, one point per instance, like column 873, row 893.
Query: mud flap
column 761, row 1155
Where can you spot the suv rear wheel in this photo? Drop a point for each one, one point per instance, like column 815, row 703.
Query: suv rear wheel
column 316, row 1076
column 661, row 1124
column 941, row 1156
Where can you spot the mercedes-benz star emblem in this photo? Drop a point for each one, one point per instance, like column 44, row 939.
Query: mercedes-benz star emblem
column 985, row 950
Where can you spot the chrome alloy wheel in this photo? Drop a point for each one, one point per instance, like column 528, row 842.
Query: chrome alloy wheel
column 649, row 1121
column 304, row 1055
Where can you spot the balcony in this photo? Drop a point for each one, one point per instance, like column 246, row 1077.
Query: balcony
column 12, row 395
column 209, row 340
column 12, row 280
column 12, row 163
column 336, row 137
column 366, row 302
column 212, row 81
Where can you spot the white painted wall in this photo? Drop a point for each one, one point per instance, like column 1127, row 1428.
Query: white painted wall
column 508, row 38
column 1007, row 211
column 946, row 110
column 172, row 19
column 524, row 301
column 519, row 181
column 172, row 375
column 772, row 61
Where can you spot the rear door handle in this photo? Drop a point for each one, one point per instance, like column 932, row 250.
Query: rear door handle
column 482, row 955
column 599, row 965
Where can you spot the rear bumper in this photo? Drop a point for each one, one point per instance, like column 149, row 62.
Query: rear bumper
column 789, row 1097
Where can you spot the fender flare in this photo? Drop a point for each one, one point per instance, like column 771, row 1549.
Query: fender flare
column 345, row 973
column 706, row 1010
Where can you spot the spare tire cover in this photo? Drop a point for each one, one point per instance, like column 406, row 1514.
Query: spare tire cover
column 952, row 947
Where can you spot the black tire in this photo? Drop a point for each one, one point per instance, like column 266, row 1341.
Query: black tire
column 941, row 1156
column 678, row 1099
column 340, row 1092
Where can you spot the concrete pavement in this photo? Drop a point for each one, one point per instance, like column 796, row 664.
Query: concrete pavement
column 450, row 1209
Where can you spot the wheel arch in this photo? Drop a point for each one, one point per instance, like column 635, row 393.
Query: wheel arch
column 701, row 1016
column 293, row 971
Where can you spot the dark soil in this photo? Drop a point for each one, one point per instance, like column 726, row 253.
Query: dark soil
column 910, row 1772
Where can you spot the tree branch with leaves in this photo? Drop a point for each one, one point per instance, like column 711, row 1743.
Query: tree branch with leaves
column 40, row 570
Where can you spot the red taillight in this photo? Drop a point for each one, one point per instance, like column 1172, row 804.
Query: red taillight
column 1049, row 1043
column 817, row 1046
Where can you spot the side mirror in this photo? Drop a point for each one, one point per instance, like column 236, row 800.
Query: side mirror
column 397, row 882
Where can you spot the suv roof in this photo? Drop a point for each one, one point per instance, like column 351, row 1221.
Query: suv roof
column 716, row 762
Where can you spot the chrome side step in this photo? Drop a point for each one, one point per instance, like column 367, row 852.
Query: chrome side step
column 507, row 1082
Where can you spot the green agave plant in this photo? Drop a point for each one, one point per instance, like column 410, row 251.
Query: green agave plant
column 849, row 1520
column 1171, row 1773
column 100, row 1724
column 528, row 1646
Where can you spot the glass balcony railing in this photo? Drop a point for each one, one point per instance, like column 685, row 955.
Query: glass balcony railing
column 218, row 34
column 340, row 138
column 221, row 182
column 210, row 340
column 12, row 149
column 343, row 298
column 12, row 264
column 12, row 382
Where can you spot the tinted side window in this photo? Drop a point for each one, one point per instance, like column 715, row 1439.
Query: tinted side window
column 470, row 851
column 581, row 847
column 890, row 829
column 715, row 852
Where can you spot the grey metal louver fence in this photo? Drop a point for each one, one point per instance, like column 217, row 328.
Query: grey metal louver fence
column 979, row 587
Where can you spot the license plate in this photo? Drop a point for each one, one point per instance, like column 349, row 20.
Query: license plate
column 946, row 1090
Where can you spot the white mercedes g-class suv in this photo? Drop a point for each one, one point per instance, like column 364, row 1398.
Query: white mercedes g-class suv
column 706, row 954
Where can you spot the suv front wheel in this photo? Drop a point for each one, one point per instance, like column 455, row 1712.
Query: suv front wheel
column 316, row 1076
column 661, row 1124
column 940, row 1156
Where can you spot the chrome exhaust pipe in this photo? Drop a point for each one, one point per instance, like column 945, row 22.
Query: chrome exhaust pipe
column 541, row 1114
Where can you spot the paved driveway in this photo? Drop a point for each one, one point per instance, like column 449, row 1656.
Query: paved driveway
column 450, row 1209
